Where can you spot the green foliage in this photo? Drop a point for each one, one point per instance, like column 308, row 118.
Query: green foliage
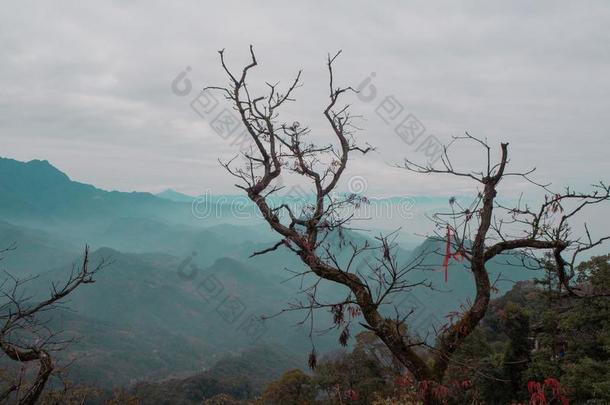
column 71, row 395
column 517, row 354
column 571, row 335
column 582, row 327
column 122, row 397
column 222, row 399
column 500, row 358
column 536, row 332
column 293, row 388
column 588, row 381
column 240, row 376
column 368, row 370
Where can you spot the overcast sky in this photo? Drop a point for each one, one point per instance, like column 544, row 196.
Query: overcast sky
column 89, row 88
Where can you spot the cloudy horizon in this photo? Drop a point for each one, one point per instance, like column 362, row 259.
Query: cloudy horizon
column 89, row 88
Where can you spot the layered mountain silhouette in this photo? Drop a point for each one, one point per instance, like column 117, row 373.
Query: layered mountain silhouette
column 181, row 291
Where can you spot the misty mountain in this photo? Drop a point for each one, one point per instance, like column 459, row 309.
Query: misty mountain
column 144, row 319
column 38, row 194
column 240, row 375
column 182, row 292
column 35, row 250
column 175, row 196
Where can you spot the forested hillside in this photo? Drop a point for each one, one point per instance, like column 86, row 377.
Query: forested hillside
column 158, row 312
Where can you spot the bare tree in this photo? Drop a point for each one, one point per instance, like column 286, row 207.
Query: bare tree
column 285, row 148
column 25, row 336
column 487, row 228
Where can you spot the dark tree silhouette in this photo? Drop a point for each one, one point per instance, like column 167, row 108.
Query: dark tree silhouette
column 487, row 228
column 25, row 336
column 284, row 148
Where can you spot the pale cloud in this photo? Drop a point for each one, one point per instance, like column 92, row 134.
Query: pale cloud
column 88, row 86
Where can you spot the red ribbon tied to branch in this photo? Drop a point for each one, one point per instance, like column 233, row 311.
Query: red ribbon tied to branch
column 457, row 255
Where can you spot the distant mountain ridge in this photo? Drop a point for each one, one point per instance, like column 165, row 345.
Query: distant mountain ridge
column 144, row 317
column 39, row 195
column 173, row 195
column 38, row 192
